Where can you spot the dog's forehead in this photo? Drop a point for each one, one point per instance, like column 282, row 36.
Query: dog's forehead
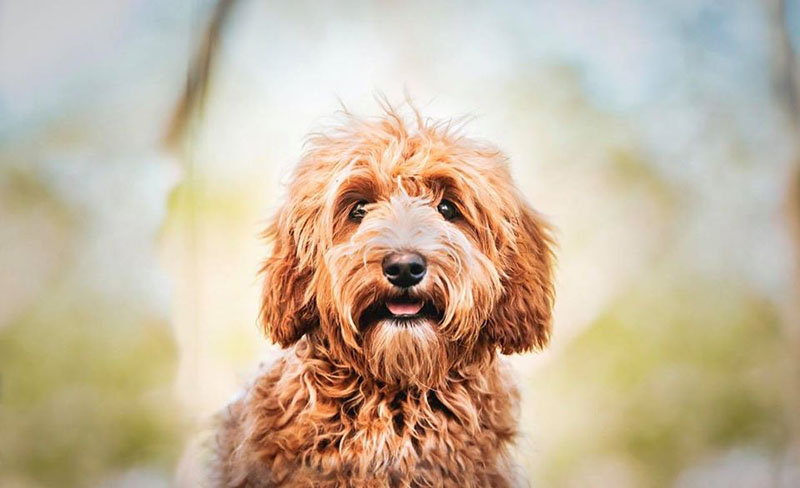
column 414, row 166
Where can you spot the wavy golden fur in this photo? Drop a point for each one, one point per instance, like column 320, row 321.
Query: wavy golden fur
column 359, row 399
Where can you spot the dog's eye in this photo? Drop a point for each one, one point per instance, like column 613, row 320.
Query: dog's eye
column 358, row 211
column 447, row 209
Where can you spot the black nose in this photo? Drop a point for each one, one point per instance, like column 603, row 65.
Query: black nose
column 404, row 269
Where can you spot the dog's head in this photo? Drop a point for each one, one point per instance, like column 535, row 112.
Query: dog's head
column 406, row 251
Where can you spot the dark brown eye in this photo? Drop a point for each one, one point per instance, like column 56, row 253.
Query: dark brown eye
column 447, row 209
column 358, row 211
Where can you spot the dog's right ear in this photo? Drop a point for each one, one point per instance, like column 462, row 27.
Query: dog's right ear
column 287, row 308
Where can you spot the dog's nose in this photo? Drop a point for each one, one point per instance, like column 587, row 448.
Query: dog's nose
column 404, row 269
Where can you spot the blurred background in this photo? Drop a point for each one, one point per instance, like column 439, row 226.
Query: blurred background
column 143, row 144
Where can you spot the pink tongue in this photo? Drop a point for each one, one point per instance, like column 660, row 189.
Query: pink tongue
column 404, row 308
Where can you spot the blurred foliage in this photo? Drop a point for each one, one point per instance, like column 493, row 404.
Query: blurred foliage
column 85, row 373
column 677, row 369
column 82, row 397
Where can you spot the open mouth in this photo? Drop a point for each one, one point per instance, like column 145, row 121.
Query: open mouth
column 401, row 310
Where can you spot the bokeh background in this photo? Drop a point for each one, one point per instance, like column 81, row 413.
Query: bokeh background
column 661, row 138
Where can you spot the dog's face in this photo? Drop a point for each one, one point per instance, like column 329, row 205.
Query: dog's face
column 407, row 254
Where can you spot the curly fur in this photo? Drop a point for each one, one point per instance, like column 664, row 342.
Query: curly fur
column 360, row 401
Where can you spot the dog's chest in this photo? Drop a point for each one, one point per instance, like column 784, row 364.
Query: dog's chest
column 404, row 443
column 310, row 432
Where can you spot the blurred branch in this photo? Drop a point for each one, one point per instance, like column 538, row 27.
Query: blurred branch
column 197, row 79
column 785, row 74
column 787, row 91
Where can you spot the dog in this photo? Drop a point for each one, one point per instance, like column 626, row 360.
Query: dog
column 404, row 263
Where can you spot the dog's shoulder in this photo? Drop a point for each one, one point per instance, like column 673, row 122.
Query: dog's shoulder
column 232, row 462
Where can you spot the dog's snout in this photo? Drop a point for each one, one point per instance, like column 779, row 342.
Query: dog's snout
column 404, row 269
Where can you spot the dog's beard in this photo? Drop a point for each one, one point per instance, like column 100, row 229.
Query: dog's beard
column 405, row 354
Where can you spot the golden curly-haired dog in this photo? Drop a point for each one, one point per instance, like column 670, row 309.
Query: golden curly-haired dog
column 404, row 262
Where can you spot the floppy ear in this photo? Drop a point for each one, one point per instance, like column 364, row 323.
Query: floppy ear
column 287, row 308
column 521, row 320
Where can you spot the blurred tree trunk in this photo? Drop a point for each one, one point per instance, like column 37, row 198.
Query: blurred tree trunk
column 787, row 90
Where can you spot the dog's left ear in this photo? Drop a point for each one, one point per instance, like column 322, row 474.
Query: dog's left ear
column 287, row 309
column 521, row 320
